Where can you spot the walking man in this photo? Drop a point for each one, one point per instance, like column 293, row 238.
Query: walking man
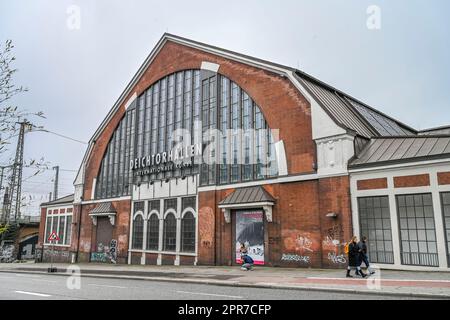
column 354, row 258
column 364, row 257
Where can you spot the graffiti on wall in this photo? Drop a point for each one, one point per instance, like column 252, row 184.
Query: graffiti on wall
column 333, row 243
column 7, row 253
column 302, row 243
column 337, row 259
column 299, row 246
column 113, row 251
column 38, row 254
column 333, row 238
column 206, row 226
column 295, row 258
column 27, row 252
column 105, row 253
column 99, row 257
column 57, row 255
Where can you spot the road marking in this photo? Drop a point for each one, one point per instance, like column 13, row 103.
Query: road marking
column 27, row 275
column 211, row 294
column 106, row 286
column 41, row 280
column 34, row 293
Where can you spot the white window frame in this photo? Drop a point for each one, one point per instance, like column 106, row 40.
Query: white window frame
column 54, row 217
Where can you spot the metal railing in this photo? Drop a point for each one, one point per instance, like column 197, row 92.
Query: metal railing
column 29, row 219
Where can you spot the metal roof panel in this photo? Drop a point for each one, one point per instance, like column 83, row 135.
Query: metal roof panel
column 390, row 151
column 248, row 195
column 383, row 151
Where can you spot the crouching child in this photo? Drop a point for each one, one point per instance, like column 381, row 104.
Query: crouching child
column 247, row 263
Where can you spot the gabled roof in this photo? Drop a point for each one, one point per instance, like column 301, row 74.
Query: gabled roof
column 103, row 208
column 61, row 201
column 386, row 151
column 247, row 195
column 352, row 113
column 346, row 111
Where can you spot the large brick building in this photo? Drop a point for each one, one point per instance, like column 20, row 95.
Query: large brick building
column 208, row 149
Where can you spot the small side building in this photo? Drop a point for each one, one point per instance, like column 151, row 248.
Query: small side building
column 56, row 216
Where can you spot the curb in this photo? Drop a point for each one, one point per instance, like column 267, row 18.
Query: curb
column 245, row 285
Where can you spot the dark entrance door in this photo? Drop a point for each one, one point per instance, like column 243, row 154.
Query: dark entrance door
column 249, row 230
column 104, row 237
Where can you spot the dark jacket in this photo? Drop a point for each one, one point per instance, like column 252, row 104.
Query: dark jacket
column 247, row 259
column 363, row 247
column 353, row 254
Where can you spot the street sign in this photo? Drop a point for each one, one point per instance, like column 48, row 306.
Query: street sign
column 53, row 237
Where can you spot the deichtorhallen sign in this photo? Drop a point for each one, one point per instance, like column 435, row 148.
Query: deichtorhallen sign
column 177, row 158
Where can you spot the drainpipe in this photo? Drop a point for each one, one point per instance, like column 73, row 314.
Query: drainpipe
column 79, row 229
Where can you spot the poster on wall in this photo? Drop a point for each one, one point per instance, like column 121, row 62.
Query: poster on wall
column 250, row 232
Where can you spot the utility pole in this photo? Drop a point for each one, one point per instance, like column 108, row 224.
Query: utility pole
column 15, row 185
column 55, row 189
column 2, row 218
column 1, row 177
column 50, row 197
column 5, row 218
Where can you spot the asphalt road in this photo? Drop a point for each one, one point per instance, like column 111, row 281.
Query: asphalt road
column 20, row 286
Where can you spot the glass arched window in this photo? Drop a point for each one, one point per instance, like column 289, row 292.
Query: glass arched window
column 188, row 233
column 153, row 232
column 198, row 102
column 170, row 232
column 138, row 232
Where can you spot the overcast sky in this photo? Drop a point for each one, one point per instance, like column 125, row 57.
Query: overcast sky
column 75, row 75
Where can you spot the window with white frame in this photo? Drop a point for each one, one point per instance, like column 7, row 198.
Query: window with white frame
column 375, row 224
column 445, row 198
column 138, row 232
column 188, row 233
column 170, row 232
column 417, row 230
column 153, row 232
column 60, row 222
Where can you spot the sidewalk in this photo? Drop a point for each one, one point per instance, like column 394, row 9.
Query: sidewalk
column 385, row 282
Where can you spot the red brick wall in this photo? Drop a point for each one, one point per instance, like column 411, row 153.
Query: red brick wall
column 42, row 228
column 206, row 227
column 282, row 105
column 136, row 258
column 300, row 234
column 75, row 227
column 297, row 224
column 168, row 259
column 120, row 229
column 420, row 180
column 187, row 261
column 151, row 258
column 444, row 178
column 334, row 197
column 371, row 184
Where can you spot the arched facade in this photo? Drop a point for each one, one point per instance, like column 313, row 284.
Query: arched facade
column 200, row 142
column 189, row 108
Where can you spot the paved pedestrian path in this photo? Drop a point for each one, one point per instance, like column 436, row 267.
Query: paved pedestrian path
column 420, row 284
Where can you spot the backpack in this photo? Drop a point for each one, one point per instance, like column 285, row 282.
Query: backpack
column 346, row 247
